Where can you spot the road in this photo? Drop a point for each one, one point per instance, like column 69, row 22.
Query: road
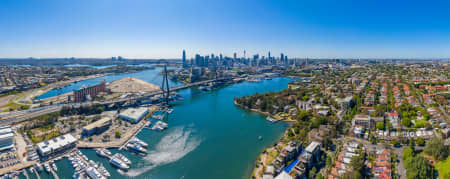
column 20, row 116
column 401, row 171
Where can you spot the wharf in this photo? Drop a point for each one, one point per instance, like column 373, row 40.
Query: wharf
column 120, row 143
column 25, row 173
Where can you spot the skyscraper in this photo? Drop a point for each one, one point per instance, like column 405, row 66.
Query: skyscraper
column 184, row 59
column 282, row 58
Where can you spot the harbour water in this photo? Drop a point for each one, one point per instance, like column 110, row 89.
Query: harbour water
column 151, row 76
column 208, row 136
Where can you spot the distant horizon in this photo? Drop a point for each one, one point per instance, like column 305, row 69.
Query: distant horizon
column 125, row 58
column 162, row 29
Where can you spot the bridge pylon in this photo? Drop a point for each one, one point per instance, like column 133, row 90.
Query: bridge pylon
column 165, row 87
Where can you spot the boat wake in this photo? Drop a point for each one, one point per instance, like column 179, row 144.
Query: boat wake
column 172, row 147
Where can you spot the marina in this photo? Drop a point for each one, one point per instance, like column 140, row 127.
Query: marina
column 187, row 131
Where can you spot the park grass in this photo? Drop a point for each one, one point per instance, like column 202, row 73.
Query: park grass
column 443, row 168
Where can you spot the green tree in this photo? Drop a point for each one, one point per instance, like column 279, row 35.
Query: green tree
column 380, row 125
column 407, row 153
column 420, row 141
column 418, row 167
column 118, row 134
column 436, row 148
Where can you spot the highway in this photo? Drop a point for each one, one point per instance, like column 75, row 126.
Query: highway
column 19, row 116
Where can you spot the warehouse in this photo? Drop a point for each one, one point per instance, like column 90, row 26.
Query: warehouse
column 97, row 127
column 6, row 138
column 134, row 114
column 56, row 145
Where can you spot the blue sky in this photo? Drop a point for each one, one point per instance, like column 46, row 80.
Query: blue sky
column 163, row 28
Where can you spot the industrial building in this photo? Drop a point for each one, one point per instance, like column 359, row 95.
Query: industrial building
column 6, row 138
column 89, row 92
column 134, row 114
column 96, row 127
column 56, row 145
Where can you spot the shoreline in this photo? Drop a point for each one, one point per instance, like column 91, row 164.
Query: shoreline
column 264, row 151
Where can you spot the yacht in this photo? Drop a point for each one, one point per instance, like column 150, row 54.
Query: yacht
column 103, row 171
column 93, row 164
column 39, row 167
column 159, row 126
column 136, row 148
column 123, row 158
column 107, row 152
column 47, row 167
column 100, row 153
column 119, row 163
column 169, row 111
column 139, row 142
column 93, row 173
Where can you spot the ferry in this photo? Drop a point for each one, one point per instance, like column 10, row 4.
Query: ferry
column 119, row 163
column 139, row 142
column 54, row 167
column 136, row 148
column 123, row 158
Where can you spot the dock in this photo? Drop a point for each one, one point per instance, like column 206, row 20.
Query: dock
column 54, row 174
column 25, row 173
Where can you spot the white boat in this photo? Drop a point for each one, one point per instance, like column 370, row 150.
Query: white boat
column 123, row 158
column 93, row 164
column 93, row 173
column 47, row 167
column 39, row 167
column 169, row 111
column 159, row 126
column 139, row 142
column 54, row 167
column 100, row 152
column 31, row 170
column 136, row 148
column 107, row 152
column 119, row 163
column 103, row 171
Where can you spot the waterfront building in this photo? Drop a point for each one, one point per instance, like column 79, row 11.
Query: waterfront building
column 56, row 145
column 88, row 92
column 134, row 114
column 6, row 138
column 96, row 127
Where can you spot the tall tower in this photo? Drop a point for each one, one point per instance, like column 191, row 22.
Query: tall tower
column 165, row 86
column 184, row 59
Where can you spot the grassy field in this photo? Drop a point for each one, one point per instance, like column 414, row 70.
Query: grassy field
column 443, row 168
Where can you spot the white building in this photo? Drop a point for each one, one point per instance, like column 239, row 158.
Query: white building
column 134, row 114
column 6, row 138
column 55, row 145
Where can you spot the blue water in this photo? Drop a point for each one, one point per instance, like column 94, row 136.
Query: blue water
column 151, row 76
column 208, row 136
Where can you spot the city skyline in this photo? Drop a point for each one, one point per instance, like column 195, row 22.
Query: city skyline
column 160, row 30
